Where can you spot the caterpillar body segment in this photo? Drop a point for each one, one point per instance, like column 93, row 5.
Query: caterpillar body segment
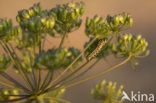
column 101, row 43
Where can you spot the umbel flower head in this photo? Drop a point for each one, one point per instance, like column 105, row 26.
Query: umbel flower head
column 7, row 31
column 96, row 26
column 108, row 93
column 57, row 58
column 36, row 20
column 100, row 27
column 68, row 16
column 131, row 45
column 117, row 22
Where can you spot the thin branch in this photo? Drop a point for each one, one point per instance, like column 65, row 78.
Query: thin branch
column 99, row 74
column 17, row 63
column 5, row 75
column 84, row 72
column 67, row 77
column 6, row 84
column 49, row 81
column 45, row 80
column 57, row 99
column 62, row 40
column 59, row 83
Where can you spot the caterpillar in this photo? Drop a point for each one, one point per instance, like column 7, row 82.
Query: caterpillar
column 101, row 43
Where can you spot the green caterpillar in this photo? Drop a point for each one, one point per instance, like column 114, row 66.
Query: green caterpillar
column 101, row 43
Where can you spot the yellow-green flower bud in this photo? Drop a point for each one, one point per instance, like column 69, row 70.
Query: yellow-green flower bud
column 31, row 12
column 121, row 19
column 96, row 19
column 116, row 21
column 131, row 21
column 52, row 23
column 139, row 37
column 43, row 20
column 77, row 11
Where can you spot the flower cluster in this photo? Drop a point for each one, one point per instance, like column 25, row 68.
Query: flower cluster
column 100, row 27
column 4, row 94
column 5, row 62
column 108, row 93
column 129, row 44
column 7, row 31
column 96, row 26
column 117, row 22
column 35, row 20
column 68, row 16
column 57, row 58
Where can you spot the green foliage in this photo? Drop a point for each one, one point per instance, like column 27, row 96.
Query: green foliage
column 129, row 44
column 118, row 22
column 68, row 16
column 101, row 28
column 7, row 31
column 108, row 92
column 97, row 27
column 35, row 22
column 55, row 58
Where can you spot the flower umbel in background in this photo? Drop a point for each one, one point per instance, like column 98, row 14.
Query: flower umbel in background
column 108, row 92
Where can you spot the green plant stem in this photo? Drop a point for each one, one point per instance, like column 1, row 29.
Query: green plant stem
column 7, row 50
column 6, row 84
column 67, row 77
column 33, row 71
column 6, row 76
column 25, row 75
column 73, row 61
column 18, row 63
column 62, row 40
column 39, row 80
column 99, row 74
column 36, row 76
column 49, row 81
column 17, row 95
column 7, row 81
column 10, row 86
column 39, row 71
column 44, row 39
column 40, row 46
column 45, row 80
column 81, row 74
column 57, row 99
column 59, row 83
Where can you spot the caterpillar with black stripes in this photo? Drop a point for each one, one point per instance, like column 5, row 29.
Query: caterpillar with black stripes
column 101, row 43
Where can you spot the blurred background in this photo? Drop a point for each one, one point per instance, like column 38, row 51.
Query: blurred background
column 142, row 78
